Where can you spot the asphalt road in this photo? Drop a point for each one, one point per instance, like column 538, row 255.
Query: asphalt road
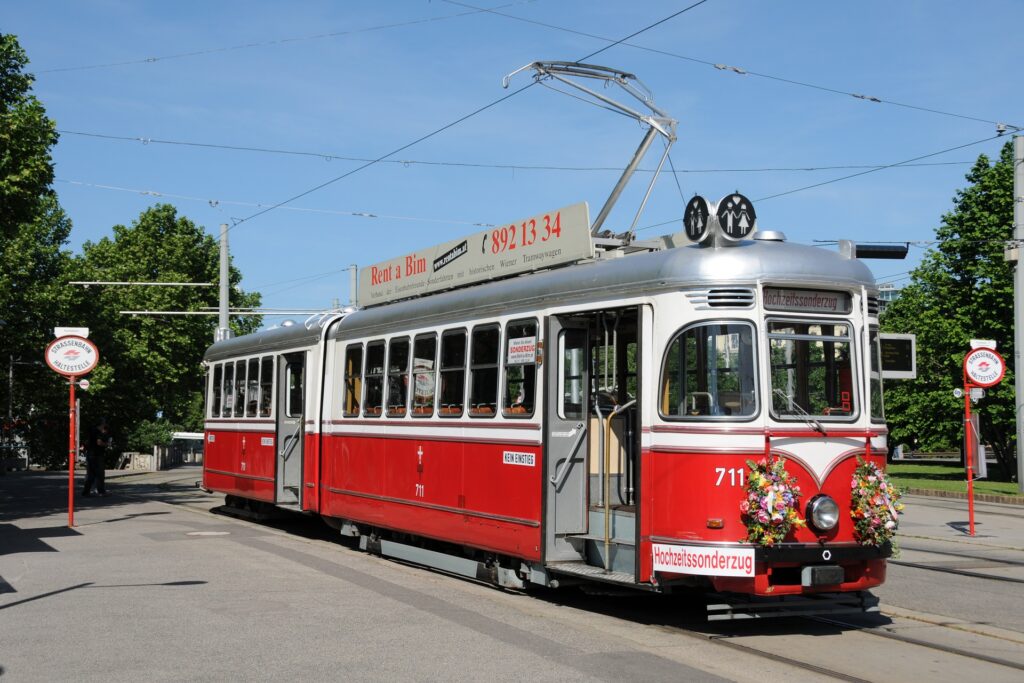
column 150, row 585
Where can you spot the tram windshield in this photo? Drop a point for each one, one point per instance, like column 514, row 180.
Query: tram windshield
column 709, row 372
column 812, row 370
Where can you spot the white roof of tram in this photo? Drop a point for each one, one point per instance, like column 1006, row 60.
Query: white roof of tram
column 746, row 263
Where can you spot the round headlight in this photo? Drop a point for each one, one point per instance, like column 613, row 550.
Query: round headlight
column 823, row 513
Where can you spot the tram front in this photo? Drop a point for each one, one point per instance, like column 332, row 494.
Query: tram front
column 765, row 471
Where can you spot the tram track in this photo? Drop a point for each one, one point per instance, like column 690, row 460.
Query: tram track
column 733, row 641
column 910, row 640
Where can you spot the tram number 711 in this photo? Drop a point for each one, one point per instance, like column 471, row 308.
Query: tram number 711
column 736, row 475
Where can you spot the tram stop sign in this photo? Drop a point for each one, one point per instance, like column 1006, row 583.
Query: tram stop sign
column 72, row 356
column 984, row 367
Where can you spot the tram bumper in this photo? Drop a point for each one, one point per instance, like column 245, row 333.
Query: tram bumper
column 794, row 569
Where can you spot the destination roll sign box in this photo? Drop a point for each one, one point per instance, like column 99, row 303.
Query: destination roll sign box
column 542, row 241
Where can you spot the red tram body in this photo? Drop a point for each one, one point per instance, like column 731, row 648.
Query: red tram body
column 587, row 423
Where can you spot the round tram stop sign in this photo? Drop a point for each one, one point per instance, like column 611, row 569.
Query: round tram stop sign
column 72, row 356
column 984, row 367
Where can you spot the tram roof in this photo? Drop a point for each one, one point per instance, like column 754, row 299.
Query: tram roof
column 293, row 336
column 746, row 263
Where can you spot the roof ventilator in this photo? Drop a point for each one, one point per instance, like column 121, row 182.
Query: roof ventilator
column 721, row 297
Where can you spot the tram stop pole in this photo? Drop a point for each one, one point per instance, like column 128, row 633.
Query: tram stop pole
column 72, row 355
column 72, row 455
column 983, row 368
column 969, row 448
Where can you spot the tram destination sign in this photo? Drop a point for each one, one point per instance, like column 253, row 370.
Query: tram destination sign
column 542, row 241
column 806, row 300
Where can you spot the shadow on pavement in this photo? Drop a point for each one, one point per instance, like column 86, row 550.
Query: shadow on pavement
column 16, row 540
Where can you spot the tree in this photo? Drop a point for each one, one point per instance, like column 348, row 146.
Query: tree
column 150, row 366
column 26, row 136
column 962, row 290
column 33, row 262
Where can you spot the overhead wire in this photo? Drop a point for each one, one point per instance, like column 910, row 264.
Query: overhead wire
column 875, row 170
column 455, row 122
column 277, row 41
column 326, row 156
column 214, row 203
column 735, row 69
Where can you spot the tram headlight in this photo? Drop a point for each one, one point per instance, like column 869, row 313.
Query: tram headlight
column 823, row 513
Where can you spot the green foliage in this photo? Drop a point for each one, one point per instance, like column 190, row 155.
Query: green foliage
column 26, row 136
column 148, row 433
column 149, row 364
column 33, row 263
column 962, row 290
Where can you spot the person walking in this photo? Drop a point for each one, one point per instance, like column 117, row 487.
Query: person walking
column 95, row 459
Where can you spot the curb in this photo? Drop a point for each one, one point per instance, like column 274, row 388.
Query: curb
column 981, row 497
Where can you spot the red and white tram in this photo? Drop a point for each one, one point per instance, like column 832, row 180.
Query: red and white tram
column 589, row 422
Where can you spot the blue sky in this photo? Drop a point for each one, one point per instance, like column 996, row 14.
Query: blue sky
column 359, row 79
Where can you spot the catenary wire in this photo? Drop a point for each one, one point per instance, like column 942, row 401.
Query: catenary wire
column 453, row 123
column 875, row 170
column 214, row 203
column 277, row 41
column 326, row 156
column 735, row 69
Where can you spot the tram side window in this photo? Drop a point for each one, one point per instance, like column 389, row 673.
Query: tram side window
column 239, row 401
column 709, row 372
column 811, row 370
column 398, row 376
column 252, row 388
column 424, row 355
column 520, row 368
column 875, row 388
column 353, row 379
column 229, row 389
column 373, row 386
column 266, row 386
column 483, row 369
column 215, row 391
column 295, row 385
column 453, row 373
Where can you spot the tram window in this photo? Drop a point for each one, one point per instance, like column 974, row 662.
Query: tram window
column 215, row 391
column 875, row 384
column 520, row 368
column 252, row 388
column 453, row 373
column 373, row 386
column 293, row 380
column 266, row 386
column 229, row 389
column 573, row 373
column 353, row 379
column 483, row 369
column 424, row 355
column 398, row 376
column 811, row 370
column 709, row 372
column 239, row 401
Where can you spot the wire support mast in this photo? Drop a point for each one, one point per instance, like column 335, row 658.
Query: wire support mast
column 657, row 121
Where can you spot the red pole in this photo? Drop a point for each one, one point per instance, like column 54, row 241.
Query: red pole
column 968, row 425
column 71, row 454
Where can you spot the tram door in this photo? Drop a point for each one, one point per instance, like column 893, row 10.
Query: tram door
column 290, row 427
column 567, row 405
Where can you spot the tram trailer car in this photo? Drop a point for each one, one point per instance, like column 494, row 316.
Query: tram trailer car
column 591, row 423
